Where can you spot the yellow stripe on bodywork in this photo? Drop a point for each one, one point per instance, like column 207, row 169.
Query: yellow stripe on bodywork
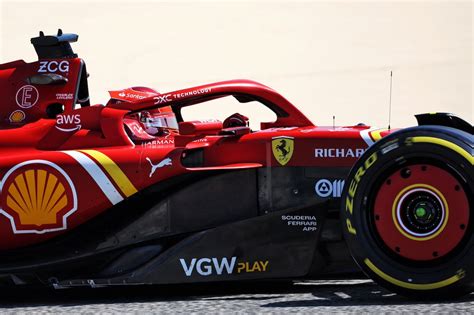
column 114, row 171
column 414, row 286
column 446, row 144
column 376, row 134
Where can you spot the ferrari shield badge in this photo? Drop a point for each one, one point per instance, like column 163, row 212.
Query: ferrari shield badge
column 282, row 148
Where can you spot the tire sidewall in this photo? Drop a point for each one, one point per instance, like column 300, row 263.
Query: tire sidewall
column 397, row 149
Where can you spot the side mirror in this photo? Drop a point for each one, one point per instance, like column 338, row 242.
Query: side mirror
column 200, row 127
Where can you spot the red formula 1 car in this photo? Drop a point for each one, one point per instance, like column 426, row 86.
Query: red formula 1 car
column 130, row 193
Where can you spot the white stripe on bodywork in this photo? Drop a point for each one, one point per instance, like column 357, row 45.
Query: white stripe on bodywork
column 97, row 175
column 365, row 134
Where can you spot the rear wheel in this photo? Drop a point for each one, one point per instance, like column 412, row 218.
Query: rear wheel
column 408, row 213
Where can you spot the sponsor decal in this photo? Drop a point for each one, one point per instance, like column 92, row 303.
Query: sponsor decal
column 211, row 120
column 162, row 163
column 221, row 266
column 165, row 141
column 68, row 122
column 17, row 116
column 64, row 96
column 191, row 93
column 308, row 130
column 307, row 222
column 338, row 152
column 158, row 142
column 201, row 140
column 132, row 96
column 53, row 66
column 27, row 96
column 325, row 188
column 162, row 99
column 37, row 196
column 282, row 148
column 334, row 129
column 277, row 129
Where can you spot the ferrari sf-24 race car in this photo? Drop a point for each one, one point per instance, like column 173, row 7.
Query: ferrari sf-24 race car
column 131, row 193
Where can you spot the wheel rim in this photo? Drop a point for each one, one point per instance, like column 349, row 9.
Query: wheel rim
column 421, row 212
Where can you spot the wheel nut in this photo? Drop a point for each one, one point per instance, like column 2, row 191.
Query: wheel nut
column 405, row 173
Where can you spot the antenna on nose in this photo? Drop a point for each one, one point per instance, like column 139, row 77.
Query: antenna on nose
column 390, row 102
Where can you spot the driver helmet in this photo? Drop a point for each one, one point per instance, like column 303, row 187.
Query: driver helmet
column 158, row 121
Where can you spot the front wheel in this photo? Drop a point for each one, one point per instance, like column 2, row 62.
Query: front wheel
column 408, row 212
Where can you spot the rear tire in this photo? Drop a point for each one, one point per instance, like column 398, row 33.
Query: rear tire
column 408, row 212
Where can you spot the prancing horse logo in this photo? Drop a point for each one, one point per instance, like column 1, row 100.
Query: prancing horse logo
column 283, row 148
column 164, row 162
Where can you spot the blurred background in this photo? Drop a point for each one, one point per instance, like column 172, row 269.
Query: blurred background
column 328, row 58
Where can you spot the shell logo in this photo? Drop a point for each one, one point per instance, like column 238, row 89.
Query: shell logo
column 37, row 197
column 17, row 116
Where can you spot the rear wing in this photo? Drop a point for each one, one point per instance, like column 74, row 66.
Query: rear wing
column 54, row 46
column 56, row 83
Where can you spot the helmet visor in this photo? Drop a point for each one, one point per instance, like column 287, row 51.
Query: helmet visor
column 159, row 120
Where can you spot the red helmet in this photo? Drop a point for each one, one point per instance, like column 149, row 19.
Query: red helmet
column 145, row 124
column 155, row 121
